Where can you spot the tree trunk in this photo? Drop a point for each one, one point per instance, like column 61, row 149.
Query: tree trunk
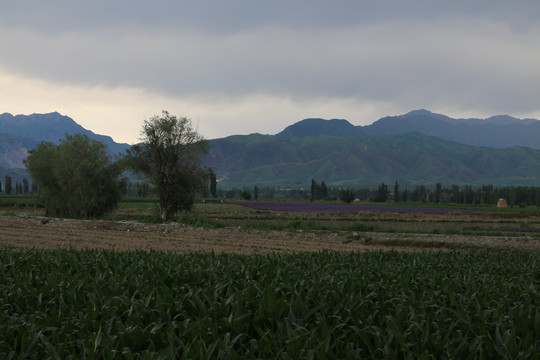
column 163, row 208
column 163, row 213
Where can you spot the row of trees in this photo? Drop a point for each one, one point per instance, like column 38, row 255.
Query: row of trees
column 467, row 194
column 482, row 195
column 20, row 188
column 78, row 178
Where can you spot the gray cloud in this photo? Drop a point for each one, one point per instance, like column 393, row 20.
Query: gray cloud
column 241, row 15
column 476, row 56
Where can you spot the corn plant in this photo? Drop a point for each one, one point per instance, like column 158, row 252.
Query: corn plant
column 107, row 305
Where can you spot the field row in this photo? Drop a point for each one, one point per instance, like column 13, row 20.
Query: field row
column 28, row 233
column 347, row 208
column 337, row 217
column 41, row 233
column 106, row 304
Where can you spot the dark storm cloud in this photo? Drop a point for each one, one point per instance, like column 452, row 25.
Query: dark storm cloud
column 241, row 15
column 476, row 56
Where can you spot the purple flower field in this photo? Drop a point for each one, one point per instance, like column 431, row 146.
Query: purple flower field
column 308, row 207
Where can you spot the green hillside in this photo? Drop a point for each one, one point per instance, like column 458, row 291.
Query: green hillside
column 410, row 158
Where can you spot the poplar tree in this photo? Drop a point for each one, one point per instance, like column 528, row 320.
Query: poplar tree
column 170, row 157
column 213, row 182
column 8, row 185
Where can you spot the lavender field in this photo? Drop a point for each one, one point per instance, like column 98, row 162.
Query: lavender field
column 310, row 207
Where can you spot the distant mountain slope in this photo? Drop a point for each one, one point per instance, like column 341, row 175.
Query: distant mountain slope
column 318, row 127
column 21, row 133
column 39, row 127
column 498, row 131
column 14, row 149
column 411, row 158
column 51, row 127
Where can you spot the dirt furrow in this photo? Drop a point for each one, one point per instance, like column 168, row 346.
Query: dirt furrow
column 41, row 233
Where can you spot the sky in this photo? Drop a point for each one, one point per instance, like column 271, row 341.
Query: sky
column 245, row 66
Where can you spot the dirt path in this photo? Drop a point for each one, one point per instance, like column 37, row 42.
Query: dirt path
column 29, row 232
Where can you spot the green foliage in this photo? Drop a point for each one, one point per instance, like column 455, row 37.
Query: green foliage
column 256, row 192
column 104, row 304
column 396, row 192
column 318, row 191
column 245, row 195
column 348, row 195
column 76, row 178
column 170, row 159
column 382, row 193
column 8, row 186
column 20, row 202
column 25, row 186
column 314, row 190
column 323, row 190
column 213, row 182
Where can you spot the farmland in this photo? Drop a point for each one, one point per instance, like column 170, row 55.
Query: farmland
column 237, row 228
column 242, row 281
column 109, row 304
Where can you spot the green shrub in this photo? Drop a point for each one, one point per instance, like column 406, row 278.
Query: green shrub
column 347, row 195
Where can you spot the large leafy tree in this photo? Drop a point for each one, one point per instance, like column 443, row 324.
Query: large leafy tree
column 170, row 158
column 76, row 178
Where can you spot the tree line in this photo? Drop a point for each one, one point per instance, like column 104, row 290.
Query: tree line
column 464, row 194
column 19, row 188
column 467, row 194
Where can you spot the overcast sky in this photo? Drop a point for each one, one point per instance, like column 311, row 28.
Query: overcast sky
column 244, row 66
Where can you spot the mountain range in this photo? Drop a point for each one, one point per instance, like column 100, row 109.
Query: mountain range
column 499, row 131
column 21, row 133
column 419, row 147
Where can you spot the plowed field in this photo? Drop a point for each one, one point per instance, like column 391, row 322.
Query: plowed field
column 35, row 232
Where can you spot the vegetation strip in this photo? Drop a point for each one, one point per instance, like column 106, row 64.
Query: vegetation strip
column 107, row 304
column 310, row 207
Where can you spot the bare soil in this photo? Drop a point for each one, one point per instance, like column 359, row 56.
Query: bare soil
column 22, row 232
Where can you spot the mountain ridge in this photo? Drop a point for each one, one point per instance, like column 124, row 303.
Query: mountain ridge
column 50, row 127
column 318, row 126
column 498, row 131
column 419, row 147
column 411, row 158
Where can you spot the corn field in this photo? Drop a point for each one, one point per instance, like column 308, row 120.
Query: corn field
column 98, row 304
